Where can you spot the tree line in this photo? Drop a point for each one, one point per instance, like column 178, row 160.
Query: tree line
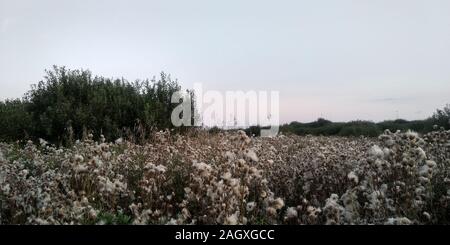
column 440, row 119
column 68, row 104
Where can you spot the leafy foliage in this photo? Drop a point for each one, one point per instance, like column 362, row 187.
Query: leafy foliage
column 71, row 102
column 442, row 117
column 15, row 120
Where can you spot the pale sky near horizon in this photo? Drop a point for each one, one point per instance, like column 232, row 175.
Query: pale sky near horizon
column 342, row 60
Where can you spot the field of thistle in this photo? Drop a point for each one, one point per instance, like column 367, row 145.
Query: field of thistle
column 229, row 178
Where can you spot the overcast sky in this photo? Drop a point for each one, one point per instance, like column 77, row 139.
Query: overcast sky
column 339, row 59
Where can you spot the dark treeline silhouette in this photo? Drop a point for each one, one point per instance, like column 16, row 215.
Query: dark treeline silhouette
column 441, row 118
column 70, row 103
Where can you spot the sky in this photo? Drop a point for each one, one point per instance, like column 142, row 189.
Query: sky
column 343, row 60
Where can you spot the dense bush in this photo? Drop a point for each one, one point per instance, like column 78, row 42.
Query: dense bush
column 442, row 117
column 68, row 103
column 15, row 120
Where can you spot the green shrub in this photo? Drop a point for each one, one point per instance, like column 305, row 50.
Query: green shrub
column 442, row 117
column 74, row 101
column 15, row 120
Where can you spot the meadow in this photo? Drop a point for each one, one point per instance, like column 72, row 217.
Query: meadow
column 227, row 177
